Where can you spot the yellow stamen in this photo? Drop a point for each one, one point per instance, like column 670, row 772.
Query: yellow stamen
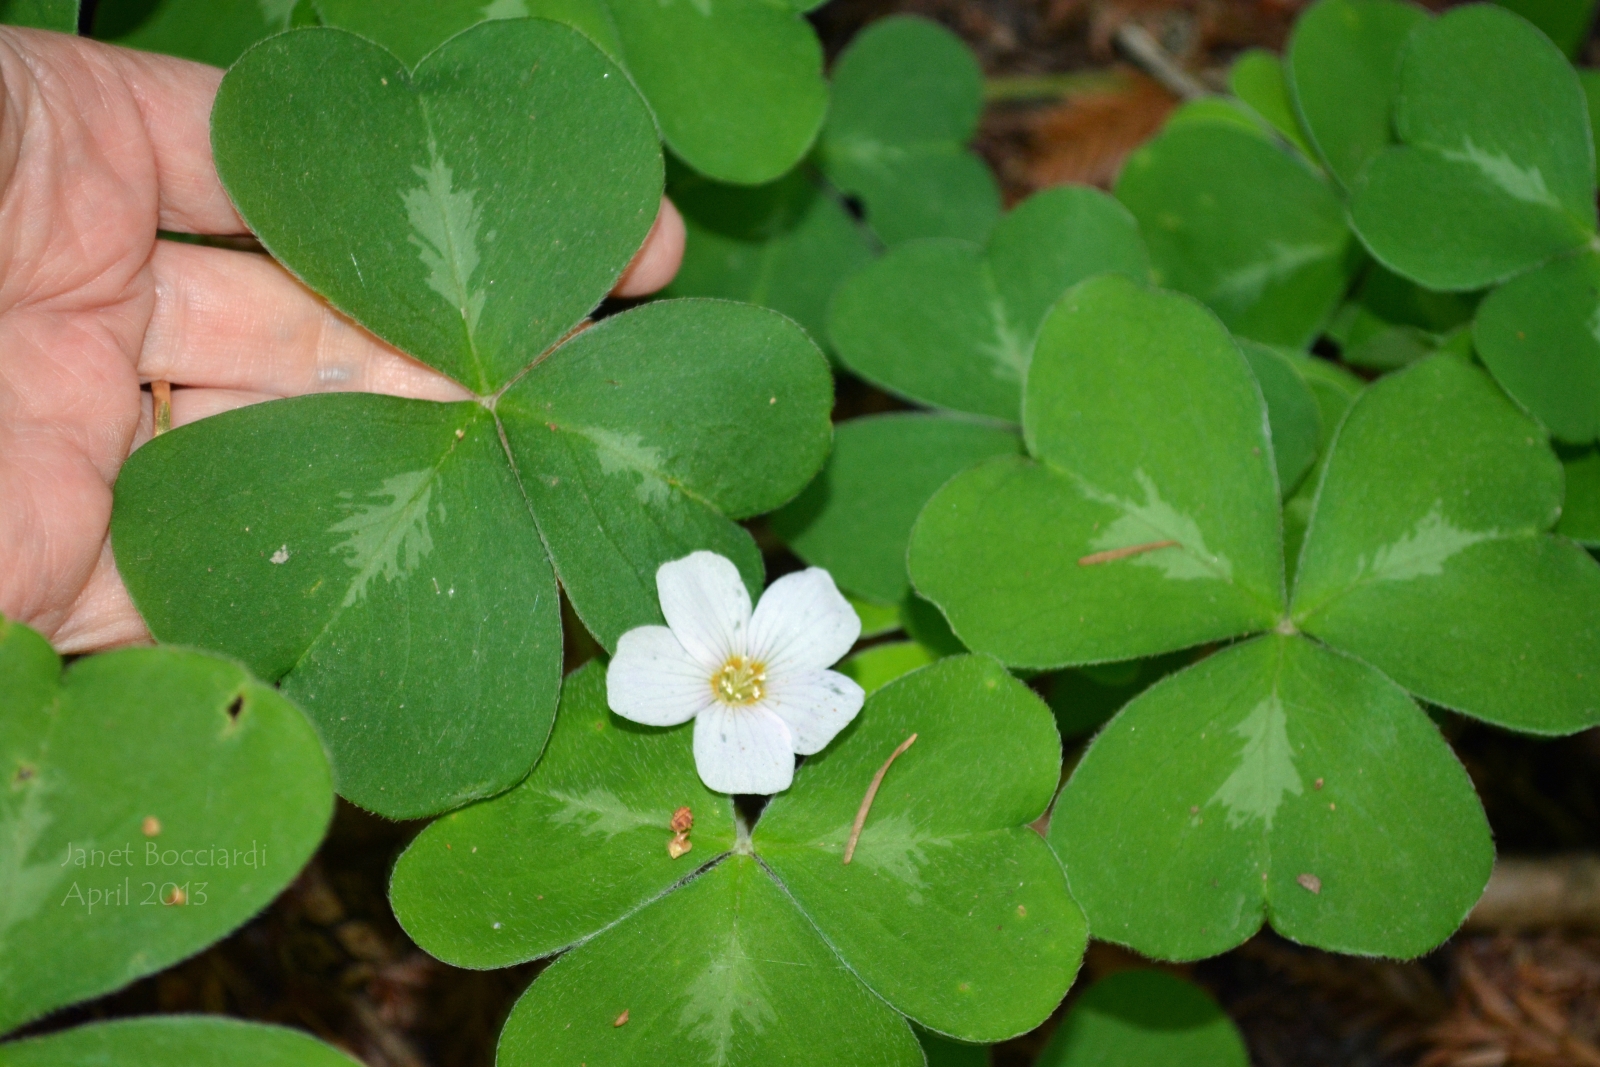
column 740, row 681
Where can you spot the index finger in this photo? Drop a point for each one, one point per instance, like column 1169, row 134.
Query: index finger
column 174, row 98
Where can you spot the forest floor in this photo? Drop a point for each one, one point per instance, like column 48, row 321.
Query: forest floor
column 329, row 957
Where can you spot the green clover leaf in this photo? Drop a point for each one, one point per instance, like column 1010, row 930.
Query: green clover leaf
column 1277, row 780
column 1580, row 515
column 151, row 800
column 1427, row 565
column 1566, row 22
column 1294, row 416
column 855, row 518
column 1535, row 336
column 951, row 324
column 1242, row 224
column 952, row 911
column 1343, row 69
column 1436, row 505
column 1257, row 80
column 394, row 562
column 58, row 15
column 1495, row 172
column 1145, row 1017
column 193, row 1040
column 1335, row 389
column 907, row 95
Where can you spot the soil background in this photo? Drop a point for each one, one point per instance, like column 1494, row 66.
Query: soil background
column 329, row 957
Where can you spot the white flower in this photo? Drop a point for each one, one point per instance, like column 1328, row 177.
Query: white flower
column 756, row 684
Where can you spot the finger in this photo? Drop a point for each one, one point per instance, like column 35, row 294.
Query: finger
column 192, row 405
column 239, row 321
column 174, row 98
column 658, row 259
column 103, row 616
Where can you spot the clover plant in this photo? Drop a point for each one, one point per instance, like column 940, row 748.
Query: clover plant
column 735, row 87
column 759, row 945
column 906, row 97
column 1139, row 1018
column 394, row 563
column 1282, row 762
column 58, row 15
column 152, row 800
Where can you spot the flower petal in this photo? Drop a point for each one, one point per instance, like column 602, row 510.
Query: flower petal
column 802, row 623
column 706, row 605
column 743, row 750
column 815, row 705
column 652, row 680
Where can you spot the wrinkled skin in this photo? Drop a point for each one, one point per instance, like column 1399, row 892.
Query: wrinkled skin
column 100, row 147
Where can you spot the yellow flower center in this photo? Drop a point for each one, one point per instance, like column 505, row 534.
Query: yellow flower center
column 740, row 681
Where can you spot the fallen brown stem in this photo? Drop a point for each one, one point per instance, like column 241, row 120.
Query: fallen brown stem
column 1555, row 891
column 1114, row 554
column 1155, row 61
column 866, row 801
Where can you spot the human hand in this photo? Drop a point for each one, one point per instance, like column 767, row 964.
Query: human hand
column 99, row 148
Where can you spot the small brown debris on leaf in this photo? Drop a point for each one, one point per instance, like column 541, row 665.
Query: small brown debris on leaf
column 1111, row 555
column 175, row 896
column 682, row 823
column 151, row 826
column 1310, row 882
column 1317, row 784
column 866, row 801
column 622, row 1019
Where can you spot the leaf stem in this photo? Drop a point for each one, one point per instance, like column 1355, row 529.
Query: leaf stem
column 161, row 404
column 866, row 801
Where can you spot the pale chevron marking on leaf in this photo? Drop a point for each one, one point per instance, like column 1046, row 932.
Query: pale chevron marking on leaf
column 1008, row 351
column 628, row 454
column 599, row 811
column 1423, row 551
column 506, row 9
column 1157, row 520
column 895, row 845
column 1266, row 770
column 730, row 989
column 1245, row 286
column 446, row 224
column 24, row 887
column 387, row 538
column 276, row 13
column 1520, row 183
